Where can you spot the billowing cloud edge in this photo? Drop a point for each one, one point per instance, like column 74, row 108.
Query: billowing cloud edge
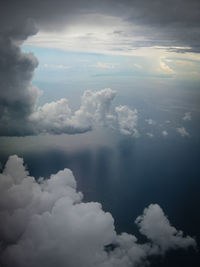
column 46, row 222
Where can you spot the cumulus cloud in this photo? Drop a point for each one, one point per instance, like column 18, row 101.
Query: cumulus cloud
column 127, row 120
column 187, row 116
column 156, row 227
column 47, row 223
column 57, row 117
column 182, row 131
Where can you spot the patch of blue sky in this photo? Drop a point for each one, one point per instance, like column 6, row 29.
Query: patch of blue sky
column 63, row 64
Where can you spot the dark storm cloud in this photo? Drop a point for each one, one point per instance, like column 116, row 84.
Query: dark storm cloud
column 166, row 23
column 18, row 96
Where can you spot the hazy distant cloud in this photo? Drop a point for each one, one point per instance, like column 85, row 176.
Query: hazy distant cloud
column 150, row 122
column 150, row 135
column 187, row 116
column 46, row 223
column 57, row 67
column 137, row 66
column 105, row 65
column 182, row 131
column 164, row 67
column 164, row 133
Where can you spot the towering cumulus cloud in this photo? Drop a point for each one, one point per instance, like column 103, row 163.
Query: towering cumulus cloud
column 18, row 96
column 47, row 223
column 57, row 117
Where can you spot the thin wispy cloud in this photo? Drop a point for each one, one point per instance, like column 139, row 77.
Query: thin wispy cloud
column 57, row 67
column 105, row 65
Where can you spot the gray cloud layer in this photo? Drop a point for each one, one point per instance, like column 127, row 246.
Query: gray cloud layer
column 167, row 23
column 47, row 223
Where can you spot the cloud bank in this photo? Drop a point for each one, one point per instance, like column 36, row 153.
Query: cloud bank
column 47, row 223
column 57, row 117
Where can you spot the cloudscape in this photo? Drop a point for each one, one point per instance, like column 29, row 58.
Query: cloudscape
column 99, row 133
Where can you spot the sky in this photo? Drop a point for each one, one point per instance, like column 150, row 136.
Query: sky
column 99, row 133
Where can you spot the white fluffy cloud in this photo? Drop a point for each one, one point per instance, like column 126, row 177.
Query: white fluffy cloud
column 57, row 117
column 127, row 120
column 156, row 227
column 46, row 223
column 182, row 131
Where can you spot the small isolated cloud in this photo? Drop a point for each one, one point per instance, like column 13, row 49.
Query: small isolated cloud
column 104, row 65
column 150, row 122
column 150, row 135
column 156, row 227
column 164, row 67
column 47, row 223
column 137, row 66
column 167, row 121
column 54, row 67
column 187, row 116
column 127, row 120
column 182, row 131
column 164, row 133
